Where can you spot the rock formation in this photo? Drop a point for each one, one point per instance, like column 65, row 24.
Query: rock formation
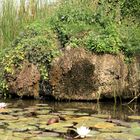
column 80, row 75
column 25, row 82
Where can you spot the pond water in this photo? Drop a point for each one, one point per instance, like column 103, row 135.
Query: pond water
column 42, row 120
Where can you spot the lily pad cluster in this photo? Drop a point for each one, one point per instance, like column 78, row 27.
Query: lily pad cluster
column 40, row 122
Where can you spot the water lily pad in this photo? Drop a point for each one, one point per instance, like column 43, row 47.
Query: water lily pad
column 5, row 111
column 42, row 112
column 46, row 138
column 86, row 121
column 9, row 137
column 37, row 108
column 57, row 127
column 2, row 131
column 134, row 118
column 42, row 105
column 103, row 116
column 45, row 117
column 23, row 135
column 67, row 112
column 43, row 108
column 28, row 120
column 81, row 114
column 49, row 134
column 21, row 127
column 136, row 131
column 70, row 109
column 7, row 117
column 115, row 136
column 104, row 125
column 135, row 124
column 16, row 110
column 116, row 129
column 16, row 114
column 35, row 132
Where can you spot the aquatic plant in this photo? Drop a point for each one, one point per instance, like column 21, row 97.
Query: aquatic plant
column 83, row 131
column 3, row 105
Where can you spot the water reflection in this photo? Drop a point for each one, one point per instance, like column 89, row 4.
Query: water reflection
column 117, row 111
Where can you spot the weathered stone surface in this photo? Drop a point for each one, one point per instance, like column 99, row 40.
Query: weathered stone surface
column 26, row 81
column 81, row 75
column 133, row 78
column 138, row 70
column 71, row 75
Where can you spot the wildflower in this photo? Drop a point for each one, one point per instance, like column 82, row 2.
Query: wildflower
column 83, row 131
column 3, row 105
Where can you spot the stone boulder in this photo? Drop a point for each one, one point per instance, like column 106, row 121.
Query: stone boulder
column 80, row 75
column 25, row 82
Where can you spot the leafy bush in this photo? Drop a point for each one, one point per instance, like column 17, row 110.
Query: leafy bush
column 83, row 23
column 104, row 41
column 37, row 44
column 131, row 8
column 100, row 26
column 130, row 36
column 97, row 26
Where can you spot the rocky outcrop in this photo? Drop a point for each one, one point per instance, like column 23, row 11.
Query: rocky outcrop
column 25, row 82
column 138, row 70
column 80, row 75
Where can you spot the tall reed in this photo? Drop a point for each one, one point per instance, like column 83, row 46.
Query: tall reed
column 14, row 16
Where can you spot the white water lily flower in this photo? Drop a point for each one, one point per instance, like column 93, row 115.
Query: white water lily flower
column 83, row 131
column 2, row 105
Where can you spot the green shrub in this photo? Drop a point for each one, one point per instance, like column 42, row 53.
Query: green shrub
column 104, row 41
column 83, row 24
column 131, row 8
column 37, row 44
column 99, row 27
column 130, row 36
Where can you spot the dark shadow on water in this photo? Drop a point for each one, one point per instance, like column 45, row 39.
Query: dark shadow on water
column 117, row 111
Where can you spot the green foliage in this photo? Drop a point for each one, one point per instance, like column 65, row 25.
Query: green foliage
column 105, row 41
column 14, row 17
column 74, row 11
column 130, row 36
column 97, row 26
column 84, row 24
column 37, row 44
column 131, row 8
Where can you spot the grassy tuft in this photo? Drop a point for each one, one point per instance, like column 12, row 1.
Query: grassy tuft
column 14, row 17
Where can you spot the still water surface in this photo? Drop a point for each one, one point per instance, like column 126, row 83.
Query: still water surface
column 27, row 119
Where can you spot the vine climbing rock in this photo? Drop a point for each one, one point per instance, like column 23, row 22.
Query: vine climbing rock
column 25, row 82
column 81, row 75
